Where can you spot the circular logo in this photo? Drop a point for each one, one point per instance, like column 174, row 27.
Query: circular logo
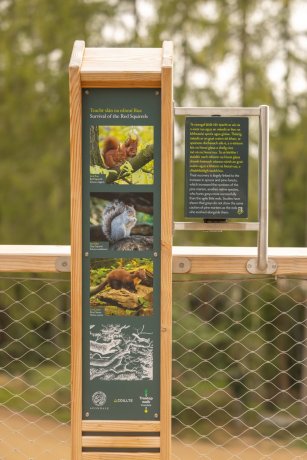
column 99, row 398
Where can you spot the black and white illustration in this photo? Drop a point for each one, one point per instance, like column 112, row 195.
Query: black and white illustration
column 120, row 352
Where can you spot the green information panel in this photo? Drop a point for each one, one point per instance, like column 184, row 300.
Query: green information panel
column 216, row 167
column 121, row 141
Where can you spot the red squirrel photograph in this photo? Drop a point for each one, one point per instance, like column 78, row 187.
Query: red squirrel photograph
column 115, row 154
column 122, row 154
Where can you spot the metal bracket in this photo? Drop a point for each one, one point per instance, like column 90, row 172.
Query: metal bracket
column 181, row 265
column 62, row 264
column 252, row 267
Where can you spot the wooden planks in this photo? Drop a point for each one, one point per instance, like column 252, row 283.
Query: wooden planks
column 113, row 426
column 120, row 456
column 166, row 247
column 233, row 260
column 121, row 442
column 121, row 68
column 204, row 260
column 76, row 245
column 28, row 258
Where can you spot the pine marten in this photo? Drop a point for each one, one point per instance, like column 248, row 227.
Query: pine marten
column 121, row 279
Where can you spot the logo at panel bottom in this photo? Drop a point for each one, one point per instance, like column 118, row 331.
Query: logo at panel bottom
column 99, row 398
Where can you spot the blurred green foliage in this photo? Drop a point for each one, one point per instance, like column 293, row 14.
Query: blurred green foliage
column 225, row 53
column 216, row 41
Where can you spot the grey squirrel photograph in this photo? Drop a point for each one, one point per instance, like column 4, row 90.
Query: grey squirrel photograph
column 121, row 287
column 121, row 221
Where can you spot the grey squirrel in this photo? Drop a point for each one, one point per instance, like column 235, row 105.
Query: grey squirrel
column 118, row 219
column 121, row 279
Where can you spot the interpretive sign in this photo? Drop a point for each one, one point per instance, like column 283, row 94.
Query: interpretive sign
column 121, row 251
column 121, row 142
column 216, row 167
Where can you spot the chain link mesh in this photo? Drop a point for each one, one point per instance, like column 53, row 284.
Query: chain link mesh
column 239, row 369
column 35, row 373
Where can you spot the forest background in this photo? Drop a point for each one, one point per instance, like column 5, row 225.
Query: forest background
column 227, row 53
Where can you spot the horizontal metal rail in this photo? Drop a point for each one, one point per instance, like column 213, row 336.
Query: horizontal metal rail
column 218, row 111
column 217, row 226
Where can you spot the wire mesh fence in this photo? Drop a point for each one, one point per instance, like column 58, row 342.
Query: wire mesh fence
column 239, row 369
column 35, row 373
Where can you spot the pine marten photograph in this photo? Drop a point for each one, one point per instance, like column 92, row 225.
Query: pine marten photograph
column 122, row 154
column 121, row 221
column 121, row 287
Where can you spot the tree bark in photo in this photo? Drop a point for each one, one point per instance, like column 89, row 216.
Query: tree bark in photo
column 95, row 157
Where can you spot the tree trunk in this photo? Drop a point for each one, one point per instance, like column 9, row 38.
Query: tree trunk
column 95, row 157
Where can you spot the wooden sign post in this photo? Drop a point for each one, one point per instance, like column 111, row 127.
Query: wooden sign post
column 121, row 119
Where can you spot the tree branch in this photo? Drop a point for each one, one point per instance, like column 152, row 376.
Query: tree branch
column 137, row 162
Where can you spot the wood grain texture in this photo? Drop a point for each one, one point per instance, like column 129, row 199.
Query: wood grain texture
column 123, row 80
column 76, row 247
column 233, row 260
column 120, row 456
column 33, row 259
column 77, row 55
column 141, row 442
column 121, row 426
column 121, row 68
column 166, row 249
column 167, row 54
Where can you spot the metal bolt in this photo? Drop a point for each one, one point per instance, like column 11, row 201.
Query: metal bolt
column 157, row 93
column 86, row 254
column 155, row 254
column 87, row 92
column 156, row 415
column 87, row 414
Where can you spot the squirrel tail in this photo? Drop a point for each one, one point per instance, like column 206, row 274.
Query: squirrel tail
column 111, row 211
column 96, row 289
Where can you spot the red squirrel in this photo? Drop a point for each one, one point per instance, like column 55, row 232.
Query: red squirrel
column 115, row 154
column 121, row 279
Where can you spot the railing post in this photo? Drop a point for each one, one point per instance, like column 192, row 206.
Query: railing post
column 263, row 187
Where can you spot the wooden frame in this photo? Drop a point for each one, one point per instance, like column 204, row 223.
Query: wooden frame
column 76, row 245
column 166, row 247
column 121, row 68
